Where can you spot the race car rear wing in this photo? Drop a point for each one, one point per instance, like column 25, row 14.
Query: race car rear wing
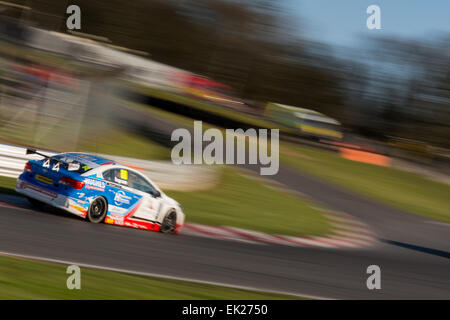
column 33, row 151
column 46, row 156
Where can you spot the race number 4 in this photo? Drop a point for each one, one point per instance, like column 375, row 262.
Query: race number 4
column 46, row 164
column 56, row 167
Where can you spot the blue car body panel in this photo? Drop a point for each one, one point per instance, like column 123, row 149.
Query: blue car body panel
column 120, row 201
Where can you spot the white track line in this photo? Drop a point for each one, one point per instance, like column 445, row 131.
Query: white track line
column 159, row 275
column 445, row 224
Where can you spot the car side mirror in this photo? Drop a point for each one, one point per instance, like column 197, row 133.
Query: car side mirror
column 156, row 194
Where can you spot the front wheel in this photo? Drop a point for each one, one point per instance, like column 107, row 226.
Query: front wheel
column 97, row 210
column 169, row 222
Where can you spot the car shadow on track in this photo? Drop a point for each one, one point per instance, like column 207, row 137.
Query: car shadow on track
column 10, row 198
column 8, row 191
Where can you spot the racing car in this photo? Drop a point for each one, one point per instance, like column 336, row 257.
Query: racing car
column 99, row 190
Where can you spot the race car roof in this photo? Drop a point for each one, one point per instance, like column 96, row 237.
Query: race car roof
column 89, row 158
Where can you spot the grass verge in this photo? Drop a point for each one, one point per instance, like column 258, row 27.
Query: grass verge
column 398, row 188
column 8, row 185
column 242, row 202
column 29, row 279
column 111, row 141
column 126, row 144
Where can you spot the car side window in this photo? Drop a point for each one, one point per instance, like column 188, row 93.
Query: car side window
column 141, row 184
column 108, row 175
column 119, row 176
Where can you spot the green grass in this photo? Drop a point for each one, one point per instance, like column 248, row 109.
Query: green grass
column 8, row 185
column 398, row 188
column 122, row 143
column 242, row 202
column 113, row 142
column 29, row 279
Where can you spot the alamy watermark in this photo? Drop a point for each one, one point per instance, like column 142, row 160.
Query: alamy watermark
column 374, row 280
column 221, row 150
column 74, row 280
column 74, row 20
column 374, row 20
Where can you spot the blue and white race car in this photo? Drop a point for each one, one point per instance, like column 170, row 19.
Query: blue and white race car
column 100, row 190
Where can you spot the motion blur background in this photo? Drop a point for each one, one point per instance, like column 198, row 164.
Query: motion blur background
column 385, row 85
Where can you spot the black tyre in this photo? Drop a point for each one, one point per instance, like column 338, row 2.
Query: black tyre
column 36, row 203
column 97, row 210
column 169, row 222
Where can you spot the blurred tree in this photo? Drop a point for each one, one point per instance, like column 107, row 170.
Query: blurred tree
column 399, row 87
column 250, row 45
column 410, row 88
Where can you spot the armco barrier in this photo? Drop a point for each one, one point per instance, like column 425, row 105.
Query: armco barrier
column 165, row 174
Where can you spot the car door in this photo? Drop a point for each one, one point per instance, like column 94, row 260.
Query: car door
column 121, row 198
column 151, row 204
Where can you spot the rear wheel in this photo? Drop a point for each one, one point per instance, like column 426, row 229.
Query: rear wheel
column 36, row 203
column 97, row 210
column 169, row 222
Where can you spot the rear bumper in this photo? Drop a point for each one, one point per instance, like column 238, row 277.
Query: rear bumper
column 49, row 197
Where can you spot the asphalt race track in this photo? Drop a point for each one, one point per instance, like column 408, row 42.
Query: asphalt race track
column 413, row 253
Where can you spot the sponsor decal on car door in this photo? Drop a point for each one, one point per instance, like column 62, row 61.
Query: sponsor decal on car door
column 120, row 200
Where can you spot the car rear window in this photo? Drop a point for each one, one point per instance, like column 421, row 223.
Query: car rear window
column 71, row 163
